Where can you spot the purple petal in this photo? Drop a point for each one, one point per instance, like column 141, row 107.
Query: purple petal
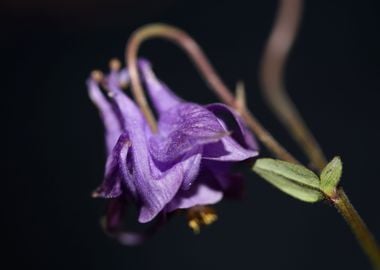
column 182, row 128
column 116, row 171
column 162, row 97
column 155, row 187
column 110, row 119
column 123, row 77
column 194, row 169
column 198, row 194
column 227, row 149
column 234, row 123
column 159, row 192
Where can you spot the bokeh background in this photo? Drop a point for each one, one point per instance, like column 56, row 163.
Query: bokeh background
column 54, row 140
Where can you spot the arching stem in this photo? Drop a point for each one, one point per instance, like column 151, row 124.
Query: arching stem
column 203, row 65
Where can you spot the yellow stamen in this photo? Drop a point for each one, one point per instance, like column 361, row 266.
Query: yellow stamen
column 209, row 218
column 199, row 216
column 193, row 224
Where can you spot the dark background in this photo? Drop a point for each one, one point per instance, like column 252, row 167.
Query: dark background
column 54, row 139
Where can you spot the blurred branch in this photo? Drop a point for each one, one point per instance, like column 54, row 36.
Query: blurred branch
column 272, row 74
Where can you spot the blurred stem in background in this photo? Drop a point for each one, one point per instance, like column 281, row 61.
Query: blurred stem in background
column 271, row 77
column 280, row 41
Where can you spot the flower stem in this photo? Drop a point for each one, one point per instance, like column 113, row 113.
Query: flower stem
column 131, row 59
column 272, row 70
column 358, row 227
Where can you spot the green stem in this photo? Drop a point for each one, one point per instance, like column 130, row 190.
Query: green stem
column 358, row 227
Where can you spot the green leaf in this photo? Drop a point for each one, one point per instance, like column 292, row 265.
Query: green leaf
column 295, row 180
column 330, row 176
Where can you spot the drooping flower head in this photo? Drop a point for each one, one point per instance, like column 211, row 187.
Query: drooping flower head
column 186, row 164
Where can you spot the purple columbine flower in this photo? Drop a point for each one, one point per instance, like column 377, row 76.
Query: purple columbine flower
column 185, row 165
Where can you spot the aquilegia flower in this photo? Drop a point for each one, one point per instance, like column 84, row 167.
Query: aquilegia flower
column 186, row 164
